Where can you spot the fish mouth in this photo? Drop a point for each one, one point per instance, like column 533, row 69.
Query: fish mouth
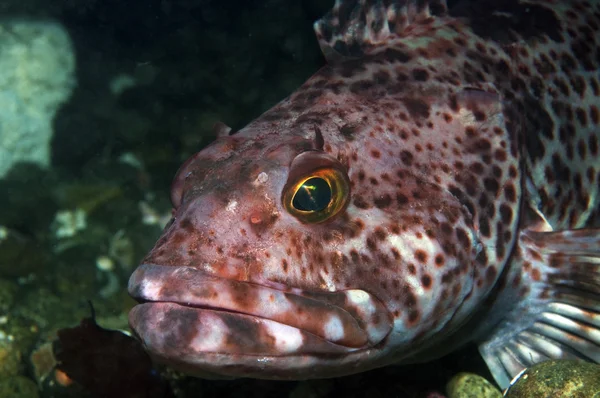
column 199, row 322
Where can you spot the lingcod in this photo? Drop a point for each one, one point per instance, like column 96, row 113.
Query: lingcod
column 434, row 185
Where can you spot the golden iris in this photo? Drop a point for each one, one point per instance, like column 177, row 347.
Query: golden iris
column 318, row 196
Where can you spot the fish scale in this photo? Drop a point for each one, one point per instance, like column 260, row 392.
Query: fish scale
column 420, row 192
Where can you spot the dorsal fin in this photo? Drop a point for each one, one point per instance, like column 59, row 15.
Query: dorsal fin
column 353, row 26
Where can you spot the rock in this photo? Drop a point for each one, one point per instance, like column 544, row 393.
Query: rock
column 470, row 385
column 558, row 378
column 42, row 362
column 38, row 75
column 18, row 387
column 10, row 358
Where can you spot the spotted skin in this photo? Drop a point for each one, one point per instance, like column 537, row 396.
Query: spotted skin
column 454, row 139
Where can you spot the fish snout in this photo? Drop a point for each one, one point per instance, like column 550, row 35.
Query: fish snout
column 186, row 313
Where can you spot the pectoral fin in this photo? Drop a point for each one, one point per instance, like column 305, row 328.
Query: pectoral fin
column 558, row 315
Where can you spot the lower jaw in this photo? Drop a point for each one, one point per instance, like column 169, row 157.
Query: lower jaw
column 207, row 342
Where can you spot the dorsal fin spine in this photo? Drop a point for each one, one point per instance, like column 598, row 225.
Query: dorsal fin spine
column 352, row 26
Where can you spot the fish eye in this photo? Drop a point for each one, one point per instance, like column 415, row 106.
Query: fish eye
column 318, row 196
column 313, row 195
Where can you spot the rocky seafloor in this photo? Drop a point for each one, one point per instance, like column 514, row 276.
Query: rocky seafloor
column 100, row 103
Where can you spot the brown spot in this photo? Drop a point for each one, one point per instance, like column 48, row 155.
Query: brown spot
column 421, row 256
column 420, row 75
column 375, row 153
column 506, row 213
column 594, row 114
column 490, row 274
column 380, row 233
column 536, row 275
column 491, row 185
column 510, row 193
column 476, row 168
column 360, row 202
column 462, row 237
column 416, row 107
column 460, row 41
column 500, row 155
column 439, row 260
column 479, row 115
column 413, row 316
column 581, row 116
column 593, row 144
column 395, row 55
column 383, row 201
column 446, row 228
column 361, row 86
column 186, row 224
column 406, row 157
column 426, row 281
column 360, row 224
column 354, row 256
column 401, row 77
column 484, row 227
column 381, row 77
column 470, row 131
column 371, row 244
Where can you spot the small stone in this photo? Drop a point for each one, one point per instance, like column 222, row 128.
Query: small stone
column 67, row 223
column 105, row 264
column 558, row 378
column 470, row 385
column 42, row 362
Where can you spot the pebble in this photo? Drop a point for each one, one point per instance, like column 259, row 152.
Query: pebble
column 470, row 385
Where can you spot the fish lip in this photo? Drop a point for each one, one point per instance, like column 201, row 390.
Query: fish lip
column 353, row 319
column 194, row 353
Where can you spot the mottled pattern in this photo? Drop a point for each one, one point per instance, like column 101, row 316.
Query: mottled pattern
column 445, row 130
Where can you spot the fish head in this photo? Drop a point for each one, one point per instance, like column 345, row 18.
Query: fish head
column 282, row 262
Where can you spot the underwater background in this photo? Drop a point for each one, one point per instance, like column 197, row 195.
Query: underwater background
column 101, row 101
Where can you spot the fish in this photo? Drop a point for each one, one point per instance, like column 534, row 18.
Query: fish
column 434, row 185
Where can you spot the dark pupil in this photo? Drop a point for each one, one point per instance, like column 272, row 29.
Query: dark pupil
column 313, row 195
